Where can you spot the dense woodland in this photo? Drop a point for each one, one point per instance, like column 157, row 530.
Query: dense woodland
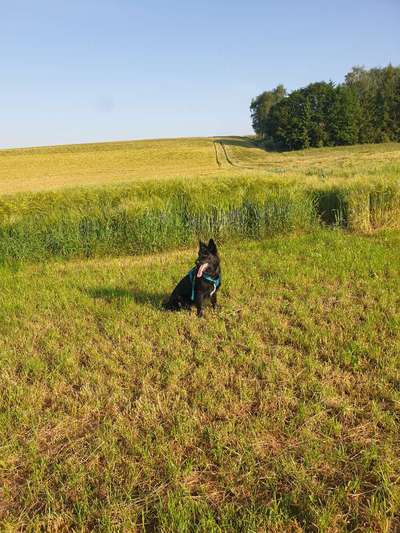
column 363, row 109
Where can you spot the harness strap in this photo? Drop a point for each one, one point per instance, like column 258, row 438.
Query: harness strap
column 216, row 282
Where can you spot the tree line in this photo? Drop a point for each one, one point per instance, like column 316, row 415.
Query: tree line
column 363, row 109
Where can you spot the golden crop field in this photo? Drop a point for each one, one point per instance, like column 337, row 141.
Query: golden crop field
column 58, row 167
column 51, row 168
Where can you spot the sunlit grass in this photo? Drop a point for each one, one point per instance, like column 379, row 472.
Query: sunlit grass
column 338, row 163
column 278, row 412
column 58, row 167
column 152, row 195
column 88, row 165
column 160, row 215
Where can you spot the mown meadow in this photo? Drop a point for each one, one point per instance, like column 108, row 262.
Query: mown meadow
column 279, row 411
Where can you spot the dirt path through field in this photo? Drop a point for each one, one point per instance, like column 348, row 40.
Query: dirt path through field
column 220, row 155
column 224, row 159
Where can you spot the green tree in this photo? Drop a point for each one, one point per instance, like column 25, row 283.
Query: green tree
column 378, row 91
column 320, row 96
column 288, row 122
column 388, row 97
column 365, row 108
column 261, row 105
column 344, row 116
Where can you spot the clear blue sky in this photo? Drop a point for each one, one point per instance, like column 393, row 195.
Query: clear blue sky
column 93, row 70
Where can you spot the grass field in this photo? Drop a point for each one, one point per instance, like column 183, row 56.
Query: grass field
column 71, row 166
column 344, row 162
column 277, row 412
column 58, row 167
column 144, row 196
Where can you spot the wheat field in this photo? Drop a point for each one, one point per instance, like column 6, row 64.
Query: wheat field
column 71, row 166
column 144, row 196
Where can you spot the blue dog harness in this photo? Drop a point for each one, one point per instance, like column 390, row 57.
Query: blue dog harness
column 216, row 282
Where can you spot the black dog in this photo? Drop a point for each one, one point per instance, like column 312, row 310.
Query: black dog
column 201, row 282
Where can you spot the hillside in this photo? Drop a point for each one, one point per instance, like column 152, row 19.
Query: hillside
column 58, row 167
column 146, row 196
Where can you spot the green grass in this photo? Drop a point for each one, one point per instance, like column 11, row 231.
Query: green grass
column 145, row 196
column 341, row 162
column 154, row 216
column 277, row 412
column 147, row 217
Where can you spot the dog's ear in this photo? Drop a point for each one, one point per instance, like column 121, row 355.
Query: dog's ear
column 212, row 247
column 202, row 247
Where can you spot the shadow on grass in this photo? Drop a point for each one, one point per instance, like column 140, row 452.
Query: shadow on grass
column 331, row 207
column 140, row 296
column 249, row 142
column 244, row 142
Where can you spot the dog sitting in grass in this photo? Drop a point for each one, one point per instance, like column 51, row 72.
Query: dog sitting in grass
column 202, row 282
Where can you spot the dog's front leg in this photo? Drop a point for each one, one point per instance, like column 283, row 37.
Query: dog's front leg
column 199, row 304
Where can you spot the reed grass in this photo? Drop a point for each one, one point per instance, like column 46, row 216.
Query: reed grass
column 158, row 216
column 251, row 193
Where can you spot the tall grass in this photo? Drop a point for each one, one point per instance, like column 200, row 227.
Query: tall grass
column 160, row 215
column 359, row 205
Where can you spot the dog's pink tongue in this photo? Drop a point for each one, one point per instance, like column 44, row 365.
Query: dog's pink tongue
column 201, row 269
